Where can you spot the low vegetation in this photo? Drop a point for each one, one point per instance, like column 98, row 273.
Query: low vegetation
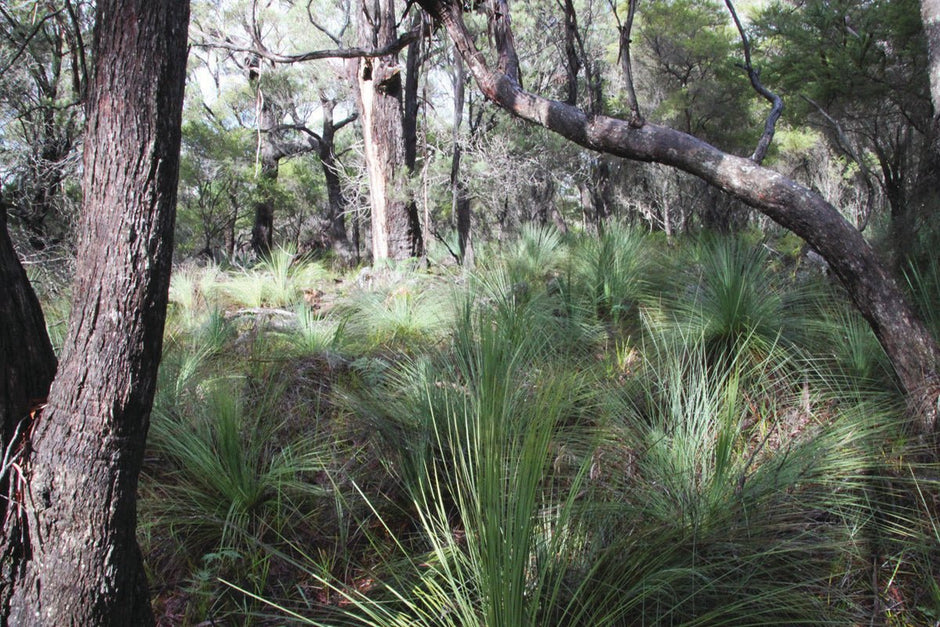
column 585, row 431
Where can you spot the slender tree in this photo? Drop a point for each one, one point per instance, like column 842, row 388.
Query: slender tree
column 71, row 514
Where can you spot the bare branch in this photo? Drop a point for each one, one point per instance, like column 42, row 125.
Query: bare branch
column 626, row 65
column 336, row 39
column 315, row 55
column 776, row 103
column 351, row 118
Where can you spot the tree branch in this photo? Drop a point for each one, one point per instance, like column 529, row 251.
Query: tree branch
column 914, row 354
column 626, row 65
column 776, row 103
column 315, row 55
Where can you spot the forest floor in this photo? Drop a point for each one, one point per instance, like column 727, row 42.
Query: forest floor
column 580, row 431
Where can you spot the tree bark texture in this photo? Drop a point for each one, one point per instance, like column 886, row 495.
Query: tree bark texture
column 82, row 564
column 913, row 352
column 380, row 87
column 27, row 367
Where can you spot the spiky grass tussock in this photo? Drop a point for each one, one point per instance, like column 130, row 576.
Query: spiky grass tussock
column 706, row 496
column 562, row 439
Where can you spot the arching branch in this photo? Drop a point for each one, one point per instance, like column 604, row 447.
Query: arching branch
column 912, row 350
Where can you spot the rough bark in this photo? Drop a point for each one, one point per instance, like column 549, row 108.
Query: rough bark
column 380, row 87
column 913, row 352
column 27, row 366
column 83, row 453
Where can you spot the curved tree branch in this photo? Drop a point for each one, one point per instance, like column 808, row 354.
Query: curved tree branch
column 913, row 352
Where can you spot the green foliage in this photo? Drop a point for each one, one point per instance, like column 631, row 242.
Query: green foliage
column 521, row 452
column 277, row 281
column 690, row 50
column 614, row 268
column 733, row 301
column 227, row 482
column 875, row 51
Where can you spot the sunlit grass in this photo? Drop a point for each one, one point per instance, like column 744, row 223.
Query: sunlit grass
column 582, row 432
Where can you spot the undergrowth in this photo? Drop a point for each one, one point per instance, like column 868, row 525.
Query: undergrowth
column 585, row 431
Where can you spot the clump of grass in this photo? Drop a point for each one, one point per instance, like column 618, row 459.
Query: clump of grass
column 226, row 485
column 734, row 302
column 612, row 271
column 407, row 317
column 277, row 281
column 536, row 255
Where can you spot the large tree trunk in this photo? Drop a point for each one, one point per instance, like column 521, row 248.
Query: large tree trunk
column 913, row 352
column 380, row 89
column 82, row 454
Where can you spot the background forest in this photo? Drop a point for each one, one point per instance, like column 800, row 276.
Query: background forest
column 428, row 364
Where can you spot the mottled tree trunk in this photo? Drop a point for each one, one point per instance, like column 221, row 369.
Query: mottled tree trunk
column 380, row 87
column 81, row 456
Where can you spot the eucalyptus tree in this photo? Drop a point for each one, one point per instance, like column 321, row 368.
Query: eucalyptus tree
column 68, row 547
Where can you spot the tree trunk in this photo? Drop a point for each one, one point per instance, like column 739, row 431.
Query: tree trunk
column 913, row 352
column 460, row 201
column 930, row 14
column 334, row 189
column 380, row 106
column 262, row 230
column 27, row 366
column 410, row 131
column 82, row 455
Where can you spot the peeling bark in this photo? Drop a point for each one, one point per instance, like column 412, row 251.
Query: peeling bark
column 380, row 87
